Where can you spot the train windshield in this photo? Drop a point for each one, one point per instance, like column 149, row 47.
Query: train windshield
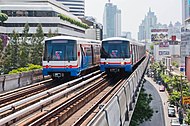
column 60, row 50
column 115, row 49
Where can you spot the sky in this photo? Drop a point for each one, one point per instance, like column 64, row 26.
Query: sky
column 134, row 11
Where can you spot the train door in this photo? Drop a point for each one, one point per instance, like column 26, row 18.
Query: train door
column 135, row 54
column 131, row 49
column 86, row 56
column 83, row 62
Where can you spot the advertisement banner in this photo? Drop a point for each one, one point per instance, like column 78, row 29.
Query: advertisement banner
column 159, row 35
column 164, row 44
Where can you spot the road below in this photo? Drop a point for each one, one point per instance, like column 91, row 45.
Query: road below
column 157, row 103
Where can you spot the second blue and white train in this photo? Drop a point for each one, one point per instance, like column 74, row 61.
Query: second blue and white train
column 120, row 54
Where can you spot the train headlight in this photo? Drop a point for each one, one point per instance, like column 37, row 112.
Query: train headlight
column 122, row 63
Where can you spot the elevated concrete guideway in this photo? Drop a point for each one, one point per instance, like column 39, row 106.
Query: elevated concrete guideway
column 119, row 110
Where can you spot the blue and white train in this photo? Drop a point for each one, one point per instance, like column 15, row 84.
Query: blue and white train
column 66, row 56
column 120, row 54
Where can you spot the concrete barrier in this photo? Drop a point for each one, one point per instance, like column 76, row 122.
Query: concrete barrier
column 113, row 113
column 128, row 94
column 119, row 109
column 100, row 120
column 122, row 104
column 13, row 81
column 25, row 78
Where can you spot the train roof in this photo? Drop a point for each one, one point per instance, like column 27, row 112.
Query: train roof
column 73, row 38
column 124, row 39
column 116, row 38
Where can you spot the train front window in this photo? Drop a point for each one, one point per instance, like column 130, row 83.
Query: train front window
column 115, row 49
column 60, row 50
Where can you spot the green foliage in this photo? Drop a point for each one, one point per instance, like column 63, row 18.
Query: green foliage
column 50, row 34
column 165, row 78
column 152, row 46
column 25, row 69
column 174, row 97
column 73, row 21
column 174, row 63
column 22, row 50
column 34, row 67
column 13, row 72
column 13, row 50
column 1, row 45
column 37, row 46
column 1, row 51
column 24, row 47
column 3, row 17
column 187, row 119
column 143, row 111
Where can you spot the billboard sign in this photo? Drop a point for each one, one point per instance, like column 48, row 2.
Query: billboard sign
column 159, row 35
column 186, row 100
column 164, row 44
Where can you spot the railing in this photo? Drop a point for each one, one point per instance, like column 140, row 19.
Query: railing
column 119, row 110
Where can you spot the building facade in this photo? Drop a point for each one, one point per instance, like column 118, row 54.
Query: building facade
column 187, row 67
column 34, row 12
column 185, row 31
column 165, row 49
column 185, row 10
column 96, row 29
column 111, row 21
column 76, row 7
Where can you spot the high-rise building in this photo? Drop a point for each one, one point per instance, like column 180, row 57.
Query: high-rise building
column 111, row 21
column 76, row 7
column 185, row 10
column 147, row 24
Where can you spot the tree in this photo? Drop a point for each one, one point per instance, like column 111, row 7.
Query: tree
column 1, row 55
column 56, row 32
column 24, row 47
column 152, row 47
column 3, row 17
column 143, row 111
column 14, row 50
column 50, row 34
column 37, row 46
column 187, row 119
column 174, row 97
column 174, row 63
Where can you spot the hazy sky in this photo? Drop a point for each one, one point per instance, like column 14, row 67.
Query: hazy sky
column 134, row 11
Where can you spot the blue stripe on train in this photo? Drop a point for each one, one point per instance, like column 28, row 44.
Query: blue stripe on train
column 73, row 71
